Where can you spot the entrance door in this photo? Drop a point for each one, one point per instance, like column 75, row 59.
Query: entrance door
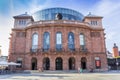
column 46, row 64
column 83, row 63
column 71, row 63
column 59, row 63
column 34, row 64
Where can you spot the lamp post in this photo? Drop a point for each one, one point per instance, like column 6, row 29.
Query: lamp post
column 117, row 63
column 0, row 51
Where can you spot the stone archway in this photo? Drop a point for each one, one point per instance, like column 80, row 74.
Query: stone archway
column 33, row 64
column 46, row 63
column 59, row 63
column 71, row 64
column 83, row 63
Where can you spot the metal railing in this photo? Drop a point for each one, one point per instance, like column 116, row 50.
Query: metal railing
column 56, row 22
column 76, row 50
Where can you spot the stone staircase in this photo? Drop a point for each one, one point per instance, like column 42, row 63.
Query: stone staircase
column 54, row 72
column 49, row 71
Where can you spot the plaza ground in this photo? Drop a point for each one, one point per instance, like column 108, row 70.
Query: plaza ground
column 62, row 76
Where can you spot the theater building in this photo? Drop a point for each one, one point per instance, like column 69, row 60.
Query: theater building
column 58, row 39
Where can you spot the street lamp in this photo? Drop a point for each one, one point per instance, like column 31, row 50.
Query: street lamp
column 0, row 51
column 117, row 63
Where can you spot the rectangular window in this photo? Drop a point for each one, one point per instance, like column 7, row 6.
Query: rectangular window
column 95, row 34
column 20, row 34
column 94, row 23
column 22, row 22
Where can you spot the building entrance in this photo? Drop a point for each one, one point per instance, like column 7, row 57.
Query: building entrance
column 71, row 63
column 46, row 63
column 83, row 63
column 59, row 63
column 34, row 64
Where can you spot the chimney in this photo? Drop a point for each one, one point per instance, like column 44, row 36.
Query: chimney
column 115, row 50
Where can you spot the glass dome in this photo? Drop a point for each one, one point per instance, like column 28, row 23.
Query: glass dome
column 50, row 14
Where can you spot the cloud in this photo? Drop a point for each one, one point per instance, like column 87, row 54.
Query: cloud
column 110, row 35
column 35, row 5
column 6, row 23
column 106, row 7
column 110, row 10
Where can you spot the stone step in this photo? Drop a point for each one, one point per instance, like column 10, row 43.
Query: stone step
column 49, row 71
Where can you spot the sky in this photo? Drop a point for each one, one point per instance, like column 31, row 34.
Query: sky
column 109, row 9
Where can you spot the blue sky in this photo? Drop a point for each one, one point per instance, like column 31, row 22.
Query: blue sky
column 109, row 9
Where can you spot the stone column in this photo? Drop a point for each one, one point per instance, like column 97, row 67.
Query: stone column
column 77, row 62
column 65, row 63
column 39, row 62
column 52, row 63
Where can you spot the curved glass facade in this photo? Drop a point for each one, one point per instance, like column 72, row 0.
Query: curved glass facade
column 50, row 14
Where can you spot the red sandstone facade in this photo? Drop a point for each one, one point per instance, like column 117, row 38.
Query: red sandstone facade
column 94, row 57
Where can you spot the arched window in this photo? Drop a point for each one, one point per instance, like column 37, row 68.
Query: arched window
column 82, row 40
column 71, row 45
column 34, row 41
column 58, row 41
column 46, row 41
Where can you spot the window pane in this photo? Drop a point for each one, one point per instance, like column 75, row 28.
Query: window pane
column 35, row 41
column 82, row 41
column 71, row 41
column 46, row 41
column 58, row 40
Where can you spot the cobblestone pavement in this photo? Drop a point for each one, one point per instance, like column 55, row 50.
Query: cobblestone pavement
column 61, row 76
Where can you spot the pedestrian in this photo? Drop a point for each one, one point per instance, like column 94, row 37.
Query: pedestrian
column 78, row 69
column 81, row 70
column 39, row 70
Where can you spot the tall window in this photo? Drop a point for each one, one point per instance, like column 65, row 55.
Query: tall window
column 34, row 41
column 82, row 41
column 46, row 41
column 58, row 41
column 71, row 45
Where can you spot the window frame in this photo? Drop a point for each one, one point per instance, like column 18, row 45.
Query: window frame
column 46, row 46
column 35, row 41
column 71, row 46
column 60, row 45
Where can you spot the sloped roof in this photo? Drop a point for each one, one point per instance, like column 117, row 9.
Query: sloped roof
column 23, row 15
column 90, row 15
